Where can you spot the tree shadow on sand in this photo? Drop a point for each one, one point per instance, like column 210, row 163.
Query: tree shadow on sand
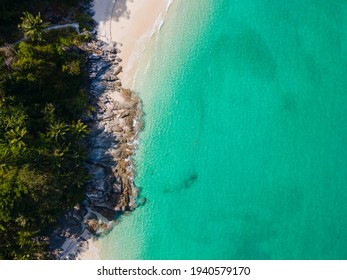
column 120, row 9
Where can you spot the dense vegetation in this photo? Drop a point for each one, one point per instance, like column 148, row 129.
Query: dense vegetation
column 42, row 98
column 54, row 11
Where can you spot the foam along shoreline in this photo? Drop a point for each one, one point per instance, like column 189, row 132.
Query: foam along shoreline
column 130, row 23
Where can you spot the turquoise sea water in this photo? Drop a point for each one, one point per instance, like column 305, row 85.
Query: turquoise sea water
column 244, row 152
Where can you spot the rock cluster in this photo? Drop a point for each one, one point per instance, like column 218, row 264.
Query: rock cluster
column 114, row 125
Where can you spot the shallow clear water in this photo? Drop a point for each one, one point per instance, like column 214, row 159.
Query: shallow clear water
column 243, row 155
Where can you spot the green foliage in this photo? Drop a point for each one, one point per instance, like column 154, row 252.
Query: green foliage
column 49, row 73
column 72, row 68
column 54, row 11
column 32, row 26
column 85, row 21
column 42, row 97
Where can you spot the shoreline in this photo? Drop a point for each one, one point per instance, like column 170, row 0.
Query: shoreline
column 123, row 22
column 113, row 126
column 130, row 34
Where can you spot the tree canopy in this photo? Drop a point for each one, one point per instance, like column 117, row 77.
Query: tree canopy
column 43, row 94
column 53, row 11
column 32, row 26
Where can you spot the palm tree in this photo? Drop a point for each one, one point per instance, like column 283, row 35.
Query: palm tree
column 32, row 26
column 16, row 137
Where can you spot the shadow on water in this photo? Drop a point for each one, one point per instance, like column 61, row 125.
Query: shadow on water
column 186, row 184
column 190, row 181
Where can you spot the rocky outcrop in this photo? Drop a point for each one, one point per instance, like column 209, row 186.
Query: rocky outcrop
column 113, row 133
column 114, row 126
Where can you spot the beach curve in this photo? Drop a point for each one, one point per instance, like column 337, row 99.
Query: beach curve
column 130, row 23
column 122, row 22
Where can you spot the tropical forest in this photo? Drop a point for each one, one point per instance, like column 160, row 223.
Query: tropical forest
column 43, row 101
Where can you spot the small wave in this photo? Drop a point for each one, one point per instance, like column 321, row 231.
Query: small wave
column 145, row 38
column 168, row 4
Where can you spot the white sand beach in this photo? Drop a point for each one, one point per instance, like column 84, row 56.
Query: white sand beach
column 92, row 253
column 131, row 24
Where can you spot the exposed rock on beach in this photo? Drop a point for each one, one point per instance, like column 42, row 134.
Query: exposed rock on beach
column 114, row 125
